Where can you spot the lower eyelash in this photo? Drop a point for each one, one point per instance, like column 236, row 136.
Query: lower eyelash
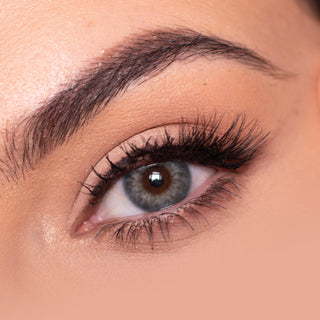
column 127, row 232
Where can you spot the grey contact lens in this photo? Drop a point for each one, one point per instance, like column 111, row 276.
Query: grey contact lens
column 158, row 186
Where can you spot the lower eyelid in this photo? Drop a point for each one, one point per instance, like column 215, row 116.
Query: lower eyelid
column 190, row 219
column 187, row 216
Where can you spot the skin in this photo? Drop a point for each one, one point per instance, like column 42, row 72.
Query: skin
column 261, row 262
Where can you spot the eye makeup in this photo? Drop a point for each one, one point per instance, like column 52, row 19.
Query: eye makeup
column 215, row 144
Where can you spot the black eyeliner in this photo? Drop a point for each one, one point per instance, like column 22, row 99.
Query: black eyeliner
column 198, row 143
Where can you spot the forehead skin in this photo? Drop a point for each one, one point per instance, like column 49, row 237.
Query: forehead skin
column 246, row 273
column 44, row 42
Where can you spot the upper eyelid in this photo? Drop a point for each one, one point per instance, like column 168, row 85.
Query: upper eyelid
column 247, row 135
column 61, row 116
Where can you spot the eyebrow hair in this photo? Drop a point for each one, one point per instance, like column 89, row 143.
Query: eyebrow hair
column 137, row 59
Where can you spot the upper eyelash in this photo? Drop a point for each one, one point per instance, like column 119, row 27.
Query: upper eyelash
column 197, row 143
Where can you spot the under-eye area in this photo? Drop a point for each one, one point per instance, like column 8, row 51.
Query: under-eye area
column 167, row 183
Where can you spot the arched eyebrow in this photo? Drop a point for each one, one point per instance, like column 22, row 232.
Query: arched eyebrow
column 137, row 59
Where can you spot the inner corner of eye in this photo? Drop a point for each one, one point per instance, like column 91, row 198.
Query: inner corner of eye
column 151, row 189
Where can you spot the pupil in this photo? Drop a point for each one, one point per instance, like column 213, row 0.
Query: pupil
column 155, row 179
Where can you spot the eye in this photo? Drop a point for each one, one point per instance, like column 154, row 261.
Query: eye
column 165, row 182
column 149, row 189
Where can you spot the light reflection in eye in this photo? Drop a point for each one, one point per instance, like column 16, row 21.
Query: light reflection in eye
column 156, row 179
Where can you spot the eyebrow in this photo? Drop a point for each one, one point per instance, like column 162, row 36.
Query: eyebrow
column 137, row 59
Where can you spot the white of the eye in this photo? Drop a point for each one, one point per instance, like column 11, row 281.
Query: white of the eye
column 116, row 204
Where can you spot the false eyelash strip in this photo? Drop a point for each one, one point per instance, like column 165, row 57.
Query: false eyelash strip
column 205, row 143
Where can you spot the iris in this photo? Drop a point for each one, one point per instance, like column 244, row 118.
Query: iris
column 158, row 186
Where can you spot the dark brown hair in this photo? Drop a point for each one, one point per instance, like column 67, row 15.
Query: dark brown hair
column 315, row 6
